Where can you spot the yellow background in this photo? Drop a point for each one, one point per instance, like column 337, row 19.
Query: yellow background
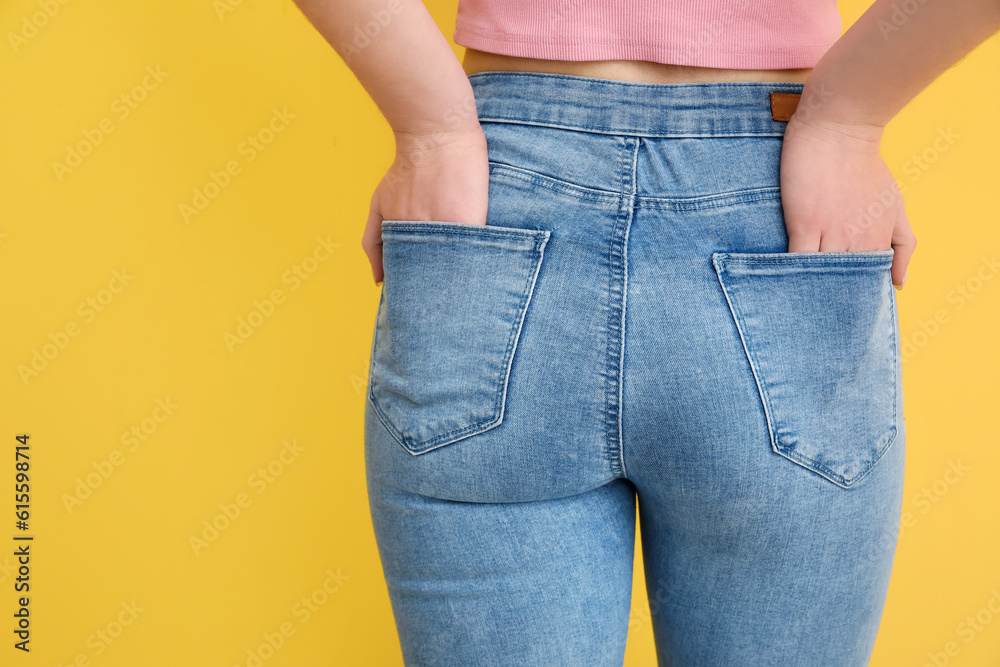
column 299, row 376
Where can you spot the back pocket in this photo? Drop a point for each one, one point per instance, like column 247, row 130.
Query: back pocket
column 819, row 331
column 454, row 298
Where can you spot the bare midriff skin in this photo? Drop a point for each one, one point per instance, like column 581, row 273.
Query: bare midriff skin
column 639, row 71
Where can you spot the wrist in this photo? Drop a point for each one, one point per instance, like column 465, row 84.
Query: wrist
column 842, row 133
column 422, row 141
column 835, row 129
column 825, row 105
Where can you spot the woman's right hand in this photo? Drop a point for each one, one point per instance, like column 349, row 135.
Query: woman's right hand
column 441, row 176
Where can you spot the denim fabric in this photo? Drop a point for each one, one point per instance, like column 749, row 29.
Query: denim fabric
column 628, row 332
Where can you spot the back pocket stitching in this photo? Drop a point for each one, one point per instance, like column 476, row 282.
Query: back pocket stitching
column 540, row 239
column 718, row 261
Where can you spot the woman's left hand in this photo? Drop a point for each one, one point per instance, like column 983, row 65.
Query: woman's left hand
column 837, row 192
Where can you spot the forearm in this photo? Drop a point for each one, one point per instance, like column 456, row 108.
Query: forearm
column 888, row 56
column 403, row 62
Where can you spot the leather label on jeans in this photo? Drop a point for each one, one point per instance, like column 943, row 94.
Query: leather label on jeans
column 783, row 105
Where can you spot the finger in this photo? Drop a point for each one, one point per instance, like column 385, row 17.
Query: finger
column 803, row 242
column 377, row 271
column 904, row 243
column 371, row 241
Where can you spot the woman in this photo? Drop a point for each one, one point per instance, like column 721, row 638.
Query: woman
column 641, row 252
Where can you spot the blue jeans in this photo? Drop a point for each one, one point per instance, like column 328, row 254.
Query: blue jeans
column 628, row 332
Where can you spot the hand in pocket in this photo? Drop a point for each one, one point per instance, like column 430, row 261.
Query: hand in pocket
column 838, row 194
column 433, row 177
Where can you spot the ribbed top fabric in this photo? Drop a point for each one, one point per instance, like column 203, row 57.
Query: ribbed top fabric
column 731, row 34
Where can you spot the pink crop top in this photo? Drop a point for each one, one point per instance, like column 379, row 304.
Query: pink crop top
column 731, row 34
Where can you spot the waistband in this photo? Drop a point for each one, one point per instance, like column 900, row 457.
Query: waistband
column 607, row 106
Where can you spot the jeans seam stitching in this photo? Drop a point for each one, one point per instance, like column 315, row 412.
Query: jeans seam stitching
column 552, row 183
column 621, row 351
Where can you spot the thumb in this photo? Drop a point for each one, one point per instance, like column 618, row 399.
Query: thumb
column 371, row 241
column 904, row 243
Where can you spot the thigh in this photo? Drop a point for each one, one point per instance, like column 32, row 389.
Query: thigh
column 544, row 583
column 770, row 567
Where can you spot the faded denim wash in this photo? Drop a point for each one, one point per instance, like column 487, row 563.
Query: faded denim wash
column 628, row 331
